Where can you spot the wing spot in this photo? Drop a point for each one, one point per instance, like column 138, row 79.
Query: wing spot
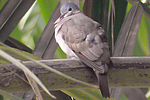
column 94, row 42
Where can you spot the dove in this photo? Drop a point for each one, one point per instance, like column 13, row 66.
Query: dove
column 80, row 37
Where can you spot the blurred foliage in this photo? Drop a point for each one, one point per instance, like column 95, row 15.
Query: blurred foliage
column 85, row 94
column 2, row 3
column 8, row 96
column 32, row 24
column 30, row 27
column 17, row 56
column 142, row 44
column 47, row 7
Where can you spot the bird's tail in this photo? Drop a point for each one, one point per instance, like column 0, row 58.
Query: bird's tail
column 103, row 85
column 102, row 78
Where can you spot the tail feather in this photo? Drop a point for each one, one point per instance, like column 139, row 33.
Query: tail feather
column 103, row 85
column 102, row 78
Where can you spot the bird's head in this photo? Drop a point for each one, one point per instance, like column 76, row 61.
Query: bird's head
column 69, row 9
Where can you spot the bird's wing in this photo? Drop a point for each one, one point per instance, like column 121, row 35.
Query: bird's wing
column 88, row 41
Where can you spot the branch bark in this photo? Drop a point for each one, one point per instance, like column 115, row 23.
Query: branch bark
column 127, row 72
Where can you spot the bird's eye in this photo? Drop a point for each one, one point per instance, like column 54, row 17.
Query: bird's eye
column 70, row 9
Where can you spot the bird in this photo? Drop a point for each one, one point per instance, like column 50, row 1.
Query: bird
column 80, row 37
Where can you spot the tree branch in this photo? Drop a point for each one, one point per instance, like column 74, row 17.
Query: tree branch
column 127, row 72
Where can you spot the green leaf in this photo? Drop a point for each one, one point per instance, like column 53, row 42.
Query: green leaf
column 25, row 70
column 59, row 54
column 47, row 7
column 17, row 56
column 8, row 96
column 84, row 94
column 142, row 44
column 2, row 3
column 30, row 27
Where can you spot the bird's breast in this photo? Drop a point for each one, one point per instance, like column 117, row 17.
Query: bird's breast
column 63, row 45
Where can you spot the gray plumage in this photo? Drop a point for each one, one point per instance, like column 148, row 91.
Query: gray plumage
column 81, row 37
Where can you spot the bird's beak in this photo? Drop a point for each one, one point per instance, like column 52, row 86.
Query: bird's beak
column 58, row 20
